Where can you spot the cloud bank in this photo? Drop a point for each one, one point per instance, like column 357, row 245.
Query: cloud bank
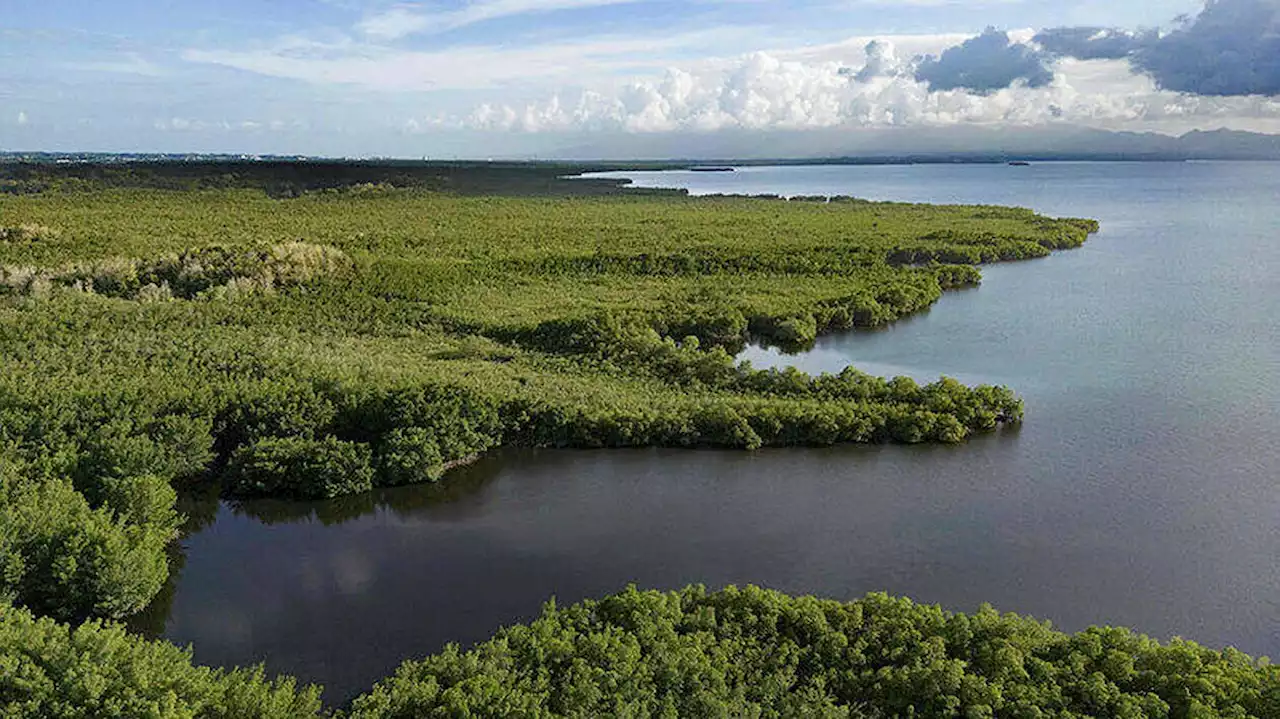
column 882, row 61
column 1088, row 43
column 1231, row 48
column 766, row 92
column 985, row 64
column 1224, row 63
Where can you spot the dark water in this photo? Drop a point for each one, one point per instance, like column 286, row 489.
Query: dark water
column 1143, row 490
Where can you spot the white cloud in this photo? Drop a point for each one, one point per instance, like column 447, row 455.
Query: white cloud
column 22, row 118
column 636, row 84
column 766, row 92
column 404, row 20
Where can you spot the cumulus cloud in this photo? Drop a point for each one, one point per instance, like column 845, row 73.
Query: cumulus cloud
column 1232, row 48
column 1088, row 75
column 985, row 64
column 766, row 92
column 1088, row 43
column 882, row 61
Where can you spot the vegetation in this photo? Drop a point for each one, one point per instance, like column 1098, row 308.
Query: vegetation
column 733, row 653
column 282, row 177
column 360, row 336
column 62, row 557
column 168, row 326
column 752, row 652
column 51, row 671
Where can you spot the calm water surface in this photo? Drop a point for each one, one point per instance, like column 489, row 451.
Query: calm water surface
column 1143, row 490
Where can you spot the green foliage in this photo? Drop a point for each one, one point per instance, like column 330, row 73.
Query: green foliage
column 752, row 652
column 300, row 467
column 288, row 178
column 186, row 333
column 733, row 653
column 410, row 456
column 63, row 558
column 375, row 336
column 50, row 671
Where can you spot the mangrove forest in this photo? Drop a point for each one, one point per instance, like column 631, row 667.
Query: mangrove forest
column 295, row 332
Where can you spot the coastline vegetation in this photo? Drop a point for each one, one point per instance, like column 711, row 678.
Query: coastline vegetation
column 752, row 652
column 692, row 653
column 369, row 336
column 322, row 339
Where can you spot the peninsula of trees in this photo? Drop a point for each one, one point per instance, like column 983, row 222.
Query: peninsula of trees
column 161, row 334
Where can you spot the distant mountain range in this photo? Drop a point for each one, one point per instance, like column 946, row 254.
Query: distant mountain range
column 956, row 144
column 961, row 143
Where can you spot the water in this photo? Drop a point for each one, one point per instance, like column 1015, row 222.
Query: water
column 1144, row 489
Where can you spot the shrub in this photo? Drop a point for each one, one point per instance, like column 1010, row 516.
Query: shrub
column 25, row 281
column 752, row 652
column 62, row 558
column 300, row 468
column 51, row 671
column 409, row 456
column 152, row 292
column 796, row 332
column 206, row 273
column 175, row 447
column 28, row 233
column 296, row 263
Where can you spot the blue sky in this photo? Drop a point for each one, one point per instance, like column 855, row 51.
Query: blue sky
column 362, row 77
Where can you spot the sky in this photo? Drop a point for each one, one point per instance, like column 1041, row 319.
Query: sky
column 479, row 78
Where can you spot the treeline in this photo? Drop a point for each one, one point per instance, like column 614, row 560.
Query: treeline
column 692, row 653
column 88, row 506
column 978, row 247
column 292, row 178
column 294, row 437
column 752, row 652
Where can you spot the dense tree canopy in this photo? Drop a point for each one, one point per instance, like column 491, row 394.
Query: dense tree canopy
column 197, row 330
column 755, row 653
column 734, row 653
column 51, row 671
column 371, row 336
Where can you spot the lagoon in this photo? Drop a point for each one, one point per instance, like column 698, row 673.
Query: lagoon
column 1143, row 489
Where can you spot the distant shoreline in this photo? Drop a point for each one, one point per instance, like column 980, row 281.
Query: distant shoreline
column 599, row 165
